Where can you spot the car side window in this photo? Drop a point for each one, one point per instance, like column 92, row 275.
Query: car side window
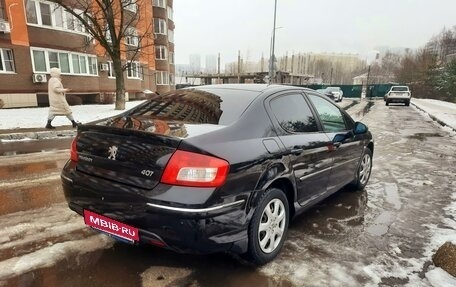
column 330, row 116
column 293, row 113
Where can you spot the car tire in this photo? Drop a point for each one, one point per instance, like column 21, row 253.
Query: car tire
column 386, row 103
column 363, row 171
column 407, row 104
column 272, row 212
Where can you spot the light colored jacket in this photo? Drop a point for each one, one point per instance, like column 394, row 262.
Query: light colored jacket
column 57, row 101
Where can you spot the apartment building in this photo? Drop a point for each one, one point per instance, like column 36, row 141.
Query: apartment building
column 36, row 35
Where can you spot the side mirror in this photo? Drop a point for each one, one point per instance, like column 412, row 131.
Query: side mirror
column 360, row 128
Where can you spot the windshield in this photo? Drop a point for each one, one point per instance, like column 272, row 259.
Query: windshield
column 333, row 89
column 399, row 89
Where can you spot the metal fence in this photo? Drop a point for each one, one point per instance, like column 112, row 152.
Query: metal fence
column 350, row 91
column 355, row 91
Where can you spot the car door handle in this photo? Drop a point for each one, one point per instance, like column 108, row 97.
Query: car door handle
column 297, row 151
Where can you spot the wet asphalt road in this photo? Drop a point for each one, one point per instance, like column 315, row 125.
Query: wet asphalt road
column 377, row 237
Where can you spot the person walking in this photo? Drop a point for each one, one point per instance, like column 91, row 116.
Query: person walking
column 58, row 106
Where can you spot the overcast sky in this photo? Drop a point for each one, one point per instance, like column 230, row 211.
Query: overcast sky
column 347, row 26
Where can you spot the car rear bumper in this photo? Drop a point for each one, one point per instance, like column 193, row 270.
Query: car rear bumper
column 187, row 229
column 398, row 99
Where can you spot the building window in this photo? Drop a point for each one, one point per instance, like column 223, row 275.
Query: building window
column 59, row 17
column 39, row 61
column 46, row 17
column 64, row 62
column 52, row 15
column 73, row 23
column 171, row 35
column 159, row 26
column 171, row 57
column 130, row 5
column 131, row 37
column 161, row 52
column 2, row 10
column 134, row 71
column 53, row 60
column 69, row 63
column 30, row 7
column 107, row 34
column 162, row 78
column 92, row 65
column 170, row 13
column 111, row 73
column 6, row 60
column 160, row 3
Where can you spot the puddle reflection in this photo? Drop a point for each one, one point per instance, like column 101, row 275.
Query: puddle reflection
column 332, row 216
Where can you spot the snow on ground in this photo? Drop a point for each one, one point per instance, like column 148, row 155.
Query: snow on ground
column 442, row 111
column 39, row 238
column 37, row 117
column 439, row 278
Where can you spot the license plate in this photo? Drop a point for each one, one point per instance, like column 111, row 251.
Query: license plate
column 110, row 226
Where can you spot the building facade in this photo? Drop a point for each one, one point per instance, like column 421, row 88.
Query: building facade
column 36, row 35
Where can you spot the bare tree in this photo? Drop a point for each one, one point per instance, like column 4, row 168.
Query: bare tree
column 390, row 63
column 121, row 27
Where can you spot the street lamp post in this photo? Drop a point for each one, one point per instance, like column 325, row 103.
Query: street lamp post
column 272, row 56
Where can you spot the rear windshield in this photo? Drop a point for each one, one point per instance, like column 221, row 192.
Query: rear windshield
column 399, row 89
column 208, row 106
column 333, row 89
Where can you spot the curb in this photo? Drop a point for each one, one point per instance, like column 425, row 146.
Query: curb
column 17, row 136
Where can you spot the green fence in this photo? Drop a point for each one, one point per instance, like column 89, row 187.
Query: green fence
column 350, row 91
column 355, row 91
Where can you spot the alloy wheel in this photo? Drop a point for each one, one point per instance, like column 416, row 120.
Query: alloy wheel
column 272, row 225
column 365, row 169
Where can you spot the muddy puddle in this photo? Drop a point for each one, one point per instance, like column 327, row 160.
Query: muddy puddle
column 424, row 136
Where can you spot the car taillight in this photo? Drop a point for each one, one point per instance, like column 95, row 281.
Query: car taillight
column 193, row 169
column 74, row 152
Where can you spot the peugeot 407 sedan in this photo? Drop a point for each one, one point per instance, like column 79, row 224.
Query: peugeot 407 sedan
column 215, row 168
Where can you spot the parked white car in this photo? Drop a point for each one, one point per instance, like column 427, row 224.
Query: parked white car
column 337, row 93
column 398, row 94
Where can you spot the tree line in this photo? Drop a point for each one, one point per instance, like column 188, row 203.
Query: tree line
column 429, row 71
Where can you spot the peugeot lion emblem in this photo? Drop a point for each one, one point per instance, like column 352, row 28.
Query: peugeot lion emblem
column 112, row 152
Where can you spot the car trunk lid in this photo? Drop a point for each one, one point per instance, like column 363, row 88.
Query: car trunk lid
column 122, row 155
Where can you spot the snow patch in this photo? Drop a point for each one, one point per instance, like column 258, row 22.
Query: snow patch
column 439, row 278
column 37, row 117
column 50, row 256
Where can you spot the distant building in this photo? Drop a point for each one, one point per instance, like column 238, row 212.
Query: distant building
column 211, row 64
column 332, row 68
column 315, row 67
column 195, row 64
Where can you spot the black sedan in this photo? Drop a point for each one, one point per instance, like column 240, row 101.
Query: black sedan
column 215, row 168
